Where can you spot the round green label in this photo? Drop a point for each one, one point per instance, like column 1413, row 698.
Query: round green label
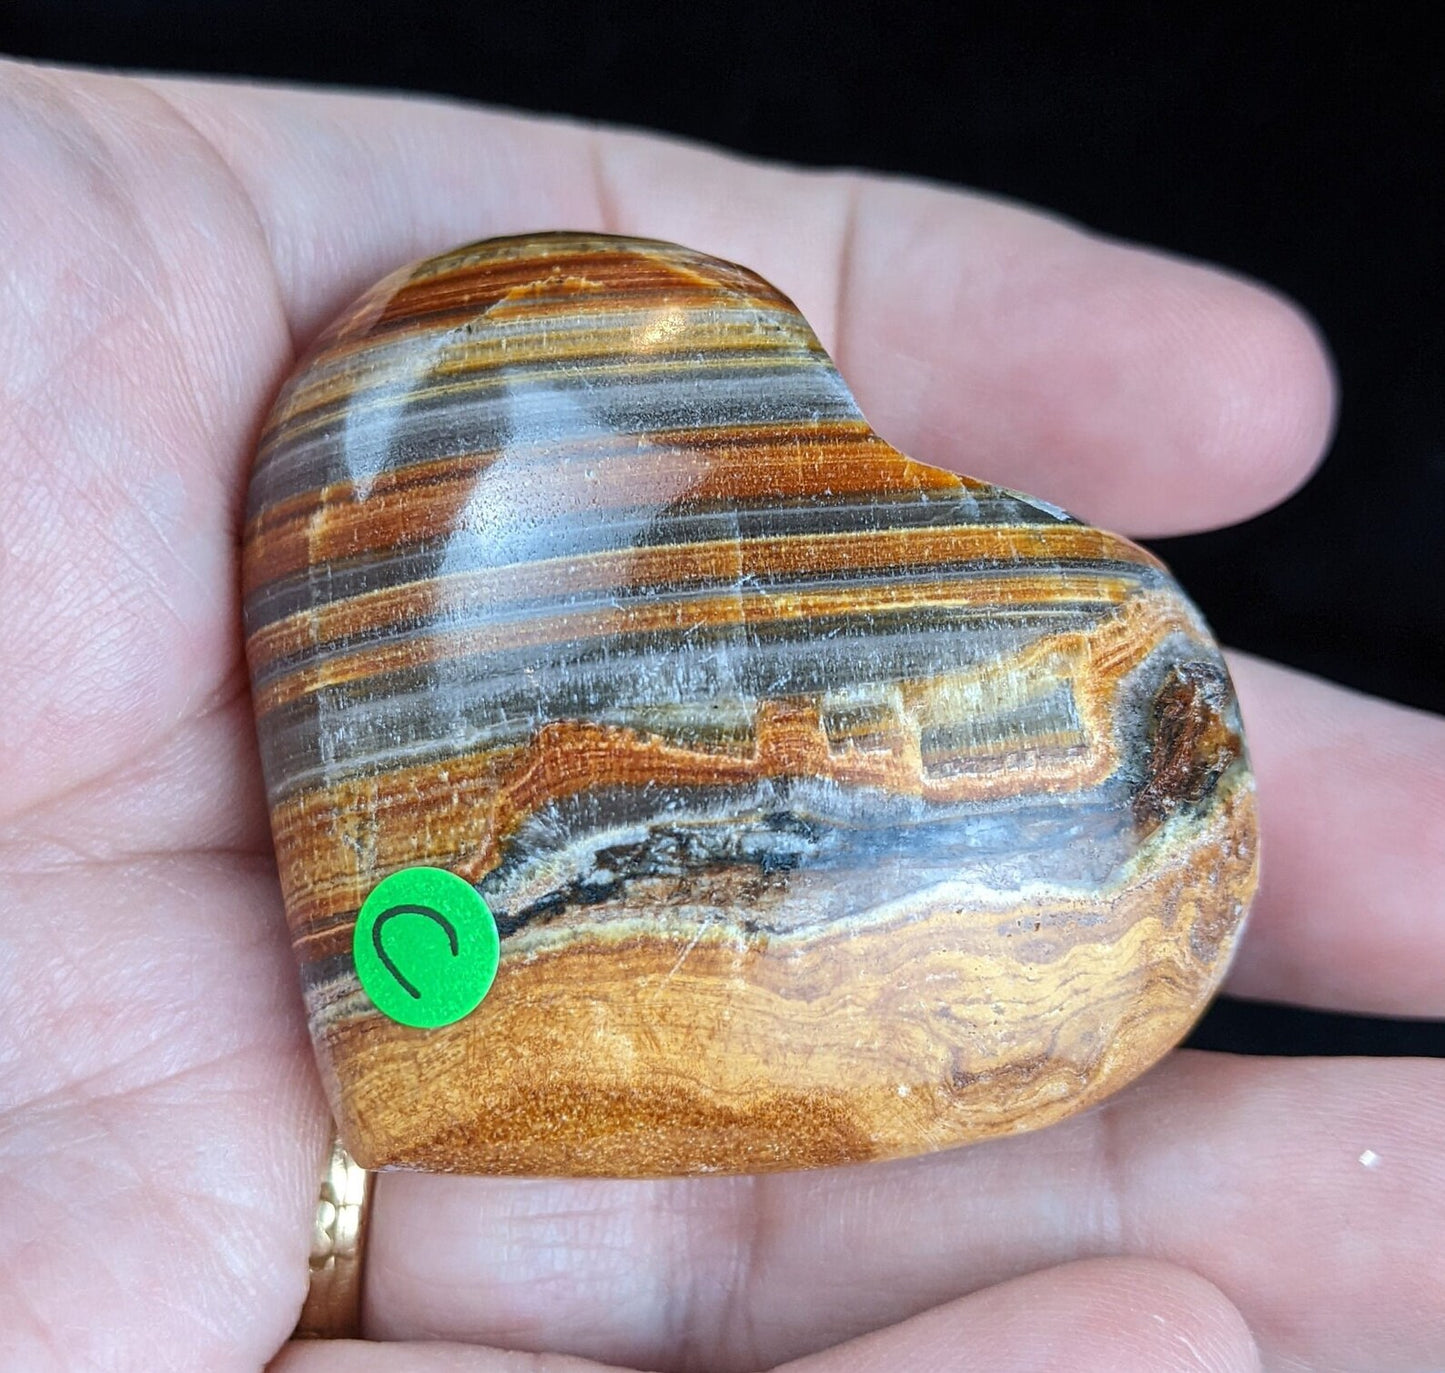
column 426, row 947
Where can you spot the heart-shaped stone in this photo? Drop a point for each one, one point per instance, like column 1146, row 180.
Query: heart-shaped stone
column 830, row 806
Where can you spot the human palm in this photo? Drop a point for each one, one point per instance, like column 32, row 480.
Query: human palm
column 164, row 251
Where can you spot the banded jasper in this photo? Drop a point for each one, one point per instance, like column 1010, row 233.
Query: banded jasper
column 830, row 806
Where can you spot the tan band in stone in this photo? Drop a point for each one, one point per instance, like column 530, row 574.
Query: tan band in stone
column 338, row 1251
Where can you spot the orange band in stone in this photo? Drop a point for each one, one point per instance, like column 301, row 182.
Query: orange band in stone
column 338, row 1251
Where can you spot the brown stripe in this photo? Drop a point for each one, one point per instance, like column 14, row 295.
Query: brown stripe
column 425, row 501
column 718, row 561
column 459, row 365
column 582, row 273
column 662, row 615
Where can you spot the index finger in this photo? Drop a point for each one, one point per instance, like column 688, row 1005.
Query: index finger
column 1138, row 390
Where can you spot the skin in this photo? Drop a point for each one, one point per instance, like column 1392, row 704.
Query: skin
column 165, row 249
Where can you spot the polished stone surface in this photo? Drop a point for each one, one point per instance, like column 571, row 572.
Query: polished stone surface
column 830, row 806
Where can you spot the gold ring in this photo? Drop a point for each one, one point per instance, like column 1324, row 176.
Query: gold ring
column 338, row 1251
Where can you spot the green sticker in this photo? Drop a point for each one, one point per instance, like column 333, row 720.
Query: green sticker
column 426, row 947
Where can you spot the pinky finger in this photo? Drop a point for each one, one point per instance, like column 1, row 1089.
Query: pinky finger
column 362, row 1356
column 1094, row 1316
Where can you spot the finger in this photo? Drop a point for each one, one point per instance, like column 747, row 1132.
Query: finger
column 1137, row 389
column 363, row 1356
column 1099, row 1316
column 1351, row 909
column 1299, row 1188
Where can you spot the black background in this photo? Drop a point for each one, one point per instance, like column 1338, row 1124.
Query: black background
column 1305, row 150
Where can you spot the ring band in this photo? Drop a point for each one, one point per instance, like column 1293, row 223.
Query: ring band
column 338, row 1251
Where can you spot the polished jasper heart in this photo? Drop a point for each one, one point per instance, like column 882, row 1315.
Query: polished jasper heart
column 830, row 806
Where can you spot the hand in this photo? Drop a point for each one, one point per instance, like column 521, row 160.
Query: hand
column 165, row 248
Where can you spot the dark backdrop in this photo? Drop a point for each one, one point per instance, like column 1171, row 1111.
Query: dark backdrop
column 1306, row 153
